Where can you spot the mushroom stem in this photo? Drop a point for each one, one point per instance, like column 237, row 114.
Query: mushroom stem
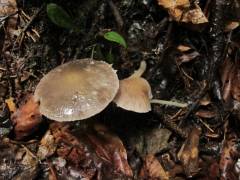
column 139, row 72
column 169, row 103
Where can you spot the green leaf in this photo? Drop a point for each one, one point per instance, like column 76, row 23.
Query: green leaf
column 59, row 16
column 115, row 37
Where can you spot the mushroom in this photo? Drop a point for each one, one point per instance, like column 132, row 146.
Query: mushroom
column 135, row 92
column 76, row 90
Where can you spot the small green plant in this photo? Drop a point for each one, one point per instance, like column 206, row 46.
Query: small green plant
column 115, row 37
column 60, row 17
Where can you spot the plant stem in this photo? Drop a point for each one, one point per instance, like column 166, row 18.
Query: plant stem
column 169, row 103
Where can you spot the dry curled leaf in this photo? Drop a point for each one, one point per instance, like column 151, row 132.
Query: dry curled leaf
column 188, row 153
column 152, row 169
column 26, row 119
column 183, row 11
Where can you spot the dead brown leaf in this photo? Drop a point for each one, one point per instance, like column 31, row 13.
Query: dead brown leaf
column 229, row 156
column 26, row 119
column 182, row 11
column 188, row 153
column 173, row 3
column 206, row 113
column 152, row 169
column 110, row 148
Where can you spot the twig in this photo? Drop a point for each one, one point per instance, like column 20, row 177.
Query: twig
column 116, row 14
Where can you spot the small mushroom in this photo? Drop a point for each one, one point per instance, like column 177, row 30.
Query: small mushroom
column 135, row 92
column 76, row 90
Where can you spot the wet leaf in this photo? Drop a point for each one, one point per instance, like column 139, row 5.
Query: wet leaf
column 59, row 16
column 115, row 37
column 152, row 169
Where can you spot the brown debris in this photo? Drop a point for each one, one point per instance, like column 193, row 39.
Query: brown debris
column 26, row 119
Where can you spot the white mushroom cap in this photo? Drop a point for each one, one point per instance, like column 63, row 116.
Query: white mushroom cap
column 76, row 90
column 135, row 92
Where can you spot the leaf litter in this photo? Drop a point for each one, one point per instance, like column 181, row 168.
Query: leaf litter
column 191, row 49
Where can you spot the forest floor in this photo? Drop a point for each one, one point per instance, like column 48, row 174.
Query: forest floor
column 191, row 49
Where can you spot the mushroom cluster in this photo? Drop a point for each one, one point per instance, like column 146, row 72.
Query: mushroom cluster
column 83, row 88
